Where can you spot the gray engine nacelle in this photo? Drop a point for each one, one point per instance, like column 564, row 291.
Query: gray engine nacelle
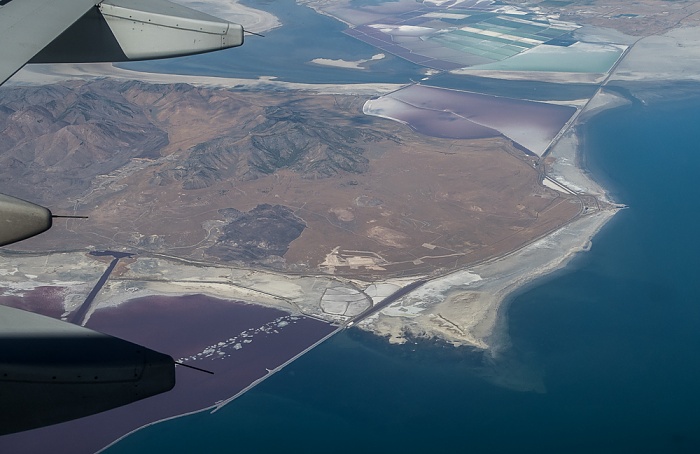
column 20, row 219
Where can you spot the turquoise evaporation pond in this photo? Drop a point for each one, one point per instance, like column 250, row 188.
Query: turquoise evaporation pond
column 580, row 58
column 285, row 53
column 614, row 338
column 532, row 90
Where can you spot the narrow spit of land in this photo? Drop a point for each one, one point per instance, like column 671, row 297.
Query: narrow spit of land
column 403, row 291
column 78, row 317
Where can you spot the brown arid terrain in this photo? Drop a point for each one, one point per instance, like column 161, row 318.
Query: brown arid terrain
column 297, row 181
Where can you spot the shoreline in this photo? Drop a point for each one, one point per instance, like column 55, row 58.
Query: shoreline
column 466, row 307
column 444, row 314
column 473, row 312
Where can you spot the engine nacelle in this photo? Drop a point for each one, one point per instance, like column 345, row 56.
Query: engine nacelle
column 20, row 219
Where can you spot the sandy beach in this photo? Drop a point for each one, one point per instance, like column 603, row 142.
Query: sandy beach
column 466, row 308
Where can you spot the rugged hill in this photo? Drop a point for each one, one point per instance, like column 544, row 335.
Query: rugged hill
column 57, row 138
column 288, row 179
column 290, row 136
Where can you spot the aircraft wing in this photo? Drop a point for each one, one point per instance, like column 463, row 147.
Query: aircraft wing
column 27, row 26
column 49, row 31
column 51, row 371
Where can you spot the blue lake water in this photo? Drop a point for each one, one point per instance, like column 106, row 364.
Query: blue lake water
column 614, row 338
column 286, row 53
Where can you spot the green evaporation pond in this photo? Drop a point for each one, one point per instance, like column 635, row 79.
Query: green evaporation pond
column 493, row 51
column 493, row 39
column 579, row 58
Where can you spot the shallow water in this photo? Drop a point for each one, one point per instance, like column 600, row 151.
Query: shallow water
column 286, row 53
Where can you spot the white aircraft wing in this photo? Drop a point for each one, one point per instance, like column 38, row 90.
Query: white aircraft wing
column 27, row 26
column 51, row 371
column 51, row 31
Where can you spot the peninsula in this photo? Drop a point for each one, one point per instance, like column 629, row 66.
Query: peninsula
column 299, row 207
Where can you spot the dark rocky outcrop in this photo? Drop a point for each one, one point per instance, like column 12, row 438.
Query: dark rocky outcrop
column 260, row 235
